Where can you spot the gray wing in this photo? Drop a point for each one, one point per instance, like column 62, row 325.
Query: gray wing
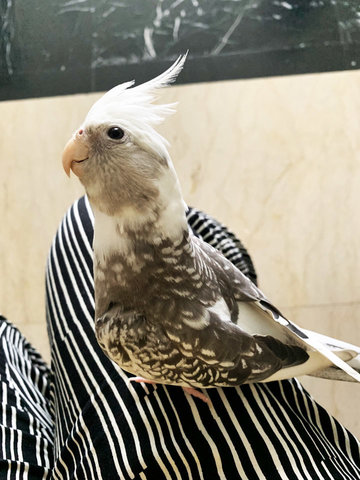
column 267, row 318
column 219, row 354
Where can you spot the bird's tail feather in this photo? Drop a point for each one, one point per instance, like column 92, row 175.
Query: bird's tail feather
column 334, row 357
column 316, row 364
column 335, row 345
column 313, row 340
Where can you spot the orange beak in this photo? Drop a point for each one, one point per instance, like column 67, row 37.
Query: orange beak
column 75, row 152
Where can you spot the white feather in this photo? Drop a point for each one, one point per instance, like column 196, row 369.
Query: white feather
column 260, row 321
column 312, row 341
column 133, row 108
column 221, row 310
column 315, row 363
column 335, row 344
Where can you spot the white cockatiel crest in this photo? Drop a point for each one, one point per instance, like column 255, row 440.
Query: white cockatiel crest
column 133, row 107
column 169, row 308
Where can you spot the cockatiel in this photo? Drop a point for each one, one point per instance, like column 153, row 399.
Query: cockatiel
column 170, row 308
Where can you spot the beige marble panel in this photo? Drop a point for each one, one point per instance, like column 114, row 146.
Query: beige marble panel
column 275, row 159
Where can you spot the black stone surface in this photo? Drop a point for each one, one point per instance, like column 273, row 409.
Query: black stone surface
column 57, row 47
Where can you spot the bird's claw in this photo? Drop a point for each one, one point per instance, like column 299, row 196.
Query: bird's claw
column 196, row 393
column 189, row 390
column 140, row 380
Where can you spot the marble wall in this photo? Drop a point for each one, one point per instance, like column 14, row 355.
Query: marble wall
column 275, row 159
column 64, row 47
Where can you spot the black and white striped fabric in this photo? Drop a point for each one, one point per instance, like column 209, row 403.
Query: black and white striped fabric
column 26, row 421
column 105, row 427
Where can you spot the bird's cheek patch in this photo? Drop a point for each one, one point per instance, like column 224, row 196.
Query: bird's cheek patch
column 77, row 167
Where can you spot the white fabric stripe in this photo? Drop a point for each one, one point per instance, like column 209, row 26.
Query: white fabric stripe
column 237, row 259
column 204, row 226
column 68, row 415
column 36, row 382
column 81, row 462
column 84, row 238
column 335, row 432
column 274, row 430
column 333, row 426
column 146, row 423
column 27, row 392
column 226, row 436
column 280, row 431
column 98, row 473
column 45, row 452
column 84, row 284
column 197, row 222
column 16, row 340
column 232, row 251
column 207, row 437
column 45, row 476
column 26, row 472
column 335, row 462
column 60, row 384
column 93, row 353
column 163, row 445
column 3, row 326
column 12, row 440
column 97, row 390
column 66, row 446
column 31, row 425
column 44, row 385
column 326, row 445
column 156, row 395
column 54, row 296
column 185, row 438
column 265, row 399
column 64, row 375
column 91, row 450
column 37, row 449
column 15, row 374
column 17, row 473
column 4, row 420
column 19, row 446
column 241, row 433
column 327, row 470
column 342, row 468
column 347, row 440
column 57, row 471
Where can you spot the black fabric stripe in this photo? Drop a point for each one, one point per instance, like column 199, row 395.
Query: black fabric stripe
column 84, row 263
column 252, row 434
column 163, row 396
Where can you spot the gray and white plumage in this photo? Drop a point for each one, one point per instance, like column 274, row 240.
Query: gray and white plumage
column 169, row 307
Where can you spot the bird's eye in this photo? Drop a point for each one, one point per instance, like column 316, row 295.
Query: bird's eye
column 116, row 133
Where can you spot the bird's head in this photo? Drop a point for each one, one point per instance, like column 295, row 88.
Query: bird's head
column 117, row 154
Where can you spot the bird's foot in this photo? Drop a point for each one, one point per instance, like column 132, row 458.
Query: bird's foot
column 140, row 380
column 189, row 390
column 196, row 393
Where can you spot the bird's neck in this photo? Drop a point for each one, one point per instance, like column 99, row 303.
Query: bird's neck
column 163, row 222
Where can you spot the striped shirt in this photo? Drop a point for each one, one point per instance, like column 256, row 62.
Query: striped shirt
column 85, row 419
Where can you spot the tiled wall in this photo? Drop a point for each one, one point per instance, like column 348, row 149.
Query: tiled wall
column 275, row 159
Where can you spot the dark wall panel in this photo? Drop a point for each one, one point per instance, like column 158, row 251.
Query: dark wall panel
column 59, row 47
